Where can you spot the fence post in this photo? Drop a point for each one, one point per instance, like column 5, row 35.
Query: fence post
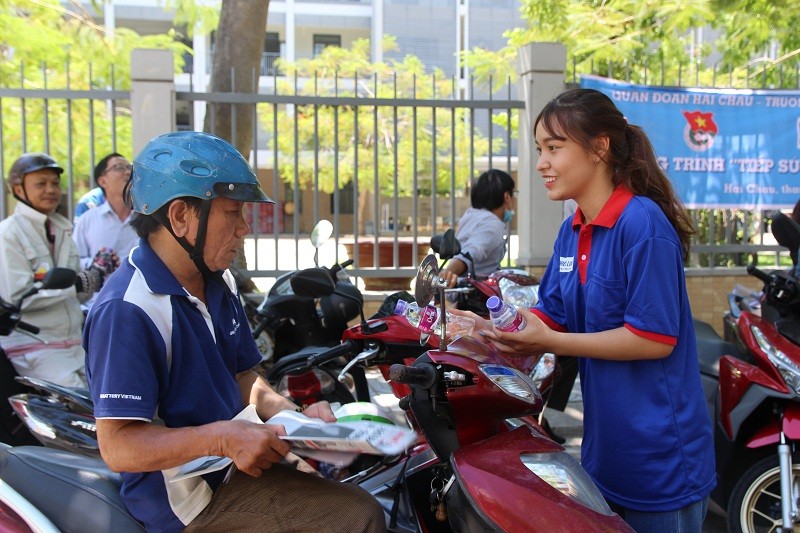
column 541, row 77
column 152, row 95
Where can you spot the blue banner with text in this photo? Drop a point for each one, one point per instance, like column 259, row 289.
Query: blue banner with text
column 725, row 148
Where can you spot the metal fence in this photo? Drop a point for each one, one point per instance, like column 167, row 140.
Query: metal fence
column 387, row 159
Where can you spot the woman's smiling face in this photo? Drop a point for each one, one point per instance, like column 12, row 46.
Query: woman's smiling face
column 566, row 167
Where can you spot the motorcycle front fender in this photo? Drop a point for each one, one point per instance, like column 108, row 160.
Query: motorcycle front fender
column 769, row 434
column 743, row 387
column 503, row 491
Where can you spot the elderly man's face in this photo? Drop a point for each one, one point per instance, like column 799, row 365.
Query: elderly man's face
column 224, row 234
column 42, row 189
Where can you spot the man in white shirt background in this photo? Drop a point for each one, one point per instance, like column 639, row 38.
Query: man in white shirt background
column 107, row 226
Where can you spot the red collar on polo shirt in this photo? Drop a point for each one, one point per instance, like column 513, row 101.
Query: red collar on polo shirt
column 607, row 217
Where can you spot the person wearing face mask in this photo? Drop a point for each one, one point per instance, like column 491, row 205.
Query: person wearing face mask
column 33, row 240
column 482, row 229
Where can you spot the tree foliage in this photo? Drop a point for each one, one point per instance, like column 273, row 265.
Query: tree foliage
column 656, row 41
column 337, row 144
column 45, row 45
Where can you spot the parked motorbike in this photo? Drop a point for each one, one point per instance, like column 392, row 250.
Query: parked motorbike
column 295, row 322
column 301, row 325
column 16, row 427
column 475, row 471
column 482, row 463
column 48, row 490
column 306, row 385
column 752, row 386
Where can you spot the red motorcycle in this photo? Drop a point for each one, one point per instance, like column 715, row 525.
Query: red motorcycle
column 482, row 463
column 752, row 385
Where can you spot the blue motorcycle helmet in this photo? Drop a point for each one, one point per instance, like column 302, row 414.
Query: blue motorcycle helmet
column 190, row 164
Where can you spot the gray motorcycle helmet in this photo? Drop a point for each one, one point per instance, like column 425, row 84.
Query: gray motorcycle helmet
column 27, row 163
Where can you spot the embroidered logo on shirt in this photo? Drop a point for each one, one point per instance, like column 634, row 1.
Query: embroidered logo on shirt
column 117, row 396
column 565, row 264
column 235, row 327
column 38, row 274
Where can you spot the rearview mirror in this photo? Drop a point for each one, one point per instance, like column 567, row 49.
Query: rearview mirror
column 446, row 244
column 313, row 283
column 787, row 233
column 321, row 233
column 56, row 278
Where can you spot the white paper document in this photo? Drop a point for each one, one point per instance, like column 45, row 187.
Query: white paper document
column 337, row 443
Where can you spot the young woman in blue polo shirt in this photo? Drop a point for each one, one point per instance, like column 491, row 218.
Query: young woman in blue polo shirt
column 614, row 294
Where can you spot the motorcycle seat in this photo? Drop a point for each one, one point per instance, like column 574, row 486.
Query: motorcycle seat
column 710, row 347
column 76, row 493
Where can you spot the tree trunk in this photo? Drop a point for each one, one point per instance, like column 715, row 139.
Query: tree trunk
column 236, row 67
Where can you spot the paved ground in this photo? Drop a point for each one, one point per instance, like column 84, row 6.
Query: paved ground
column 568, row 424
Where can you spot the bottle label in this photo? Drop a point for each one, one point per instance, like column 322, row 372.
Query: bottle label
column 428, row 321
column 518, row 324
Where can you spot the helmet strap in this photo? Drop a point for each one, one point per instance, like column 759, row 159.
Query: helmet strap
column 18, row 197
column 196, row 252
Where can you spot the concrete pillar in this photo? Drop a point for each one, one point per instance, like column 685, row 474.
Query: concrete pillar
column 152, row 95
column 377, row 31
column 200, row 75
column 541, row 77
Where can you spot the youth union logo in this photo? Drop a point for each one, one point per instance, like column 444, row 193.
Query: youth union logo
column 701, row 130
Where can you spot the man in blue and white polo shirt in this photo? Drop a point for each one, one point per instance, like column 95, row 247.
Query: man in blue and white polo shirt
column 169, row 359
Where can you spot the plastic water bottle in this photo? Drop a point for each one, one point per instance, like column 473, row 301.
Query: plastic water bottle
column 428, row 321
column 504, row 316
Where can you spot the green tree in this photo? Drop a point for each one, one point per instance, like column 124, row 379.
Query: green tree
column 330, row 150
column 44, row 45
column 655, row 41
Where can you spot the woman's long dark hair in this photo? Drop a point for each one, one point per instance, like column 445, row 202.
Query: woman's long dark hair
column 583, row 115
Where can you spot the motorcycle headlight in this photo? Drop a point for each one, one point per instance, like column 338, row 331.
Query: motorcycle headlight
column 512, row 382
column 543, row 369
column 788, row 370
column 563, row 472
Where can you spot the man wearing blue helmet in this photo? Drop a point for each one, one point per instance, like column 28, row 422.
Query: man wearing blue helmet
column 166, row 394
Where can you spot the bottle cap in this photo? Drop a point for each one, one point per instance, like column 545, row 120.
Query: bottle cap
column 400, row 308
column 494, row 303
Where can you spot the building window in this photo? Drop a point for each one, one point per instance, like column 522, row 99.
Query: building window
column 322, row 41
column 272, row 51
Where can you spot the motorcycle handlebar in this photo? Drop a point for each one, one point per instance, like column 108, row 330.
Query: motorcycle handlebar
column 423, row 376
column 348, row 347
column 340, row 266
column 30, row 328
column 760, row 274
